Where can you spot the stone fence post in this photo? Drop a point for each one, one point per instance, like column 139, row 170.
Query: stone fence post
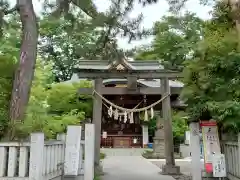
column 89, row 152
column 36, row 156
column 72, row 150
column 196, row 170
column 239, row 151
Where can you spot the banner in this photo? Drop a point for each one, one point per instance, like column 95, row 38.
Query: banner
column 211, row 143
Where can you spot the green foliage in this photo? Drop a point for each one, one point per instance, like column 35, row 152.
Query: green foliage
column 38, row 118
column 175, row 40
column 212, row 78
column 152, row 125
column 64, row 97
column 179, row 125
column 10, row 40
column 64, row 44
column 7, row 67
column 69, row 35
column 51, row 125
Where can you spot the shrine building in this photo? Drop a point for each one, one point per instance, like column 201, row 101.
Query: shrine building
column 119, row 129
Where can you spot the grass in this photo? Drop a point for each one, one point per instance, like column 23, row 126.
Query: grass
column 97, row 177
column 102, row 155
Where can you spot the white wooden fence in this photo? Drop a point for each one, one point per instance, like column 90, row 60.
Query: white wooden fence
column 45, row 160
column 231, row 149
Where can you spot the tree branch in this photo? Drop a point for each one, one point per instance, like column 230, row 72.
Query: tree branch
column 10, row 11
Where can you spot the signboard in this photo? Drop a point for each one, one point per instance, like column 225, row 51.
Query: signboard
column 104, row 135
column 219, row 165
column 211, row 143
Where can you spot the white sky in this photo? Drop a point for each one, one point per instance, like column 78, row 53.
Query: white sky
column 151, row 13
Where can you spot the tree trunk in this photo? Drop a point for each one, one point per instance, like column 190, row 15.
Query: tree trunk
column 26, row 65
column 234, row 4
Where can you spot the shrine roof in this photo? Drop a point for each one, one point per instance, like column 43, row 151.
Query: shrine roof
column 119, row 65
column 144, row 82
column 147, row 83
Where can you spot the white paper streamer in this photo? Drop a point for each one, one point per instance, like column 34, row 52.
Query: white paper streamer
column 116, row 114
column 152, row 112
column 110, row 111
column 131, row 118
column 125, row 117
column 146, row 115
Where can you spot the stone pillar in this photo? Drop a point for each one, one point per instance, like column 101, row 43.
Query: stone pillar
column 145, row 138
column 158, row 140
column 97, row 115
column 72, row 151
column 169, row 167
column 196, row 168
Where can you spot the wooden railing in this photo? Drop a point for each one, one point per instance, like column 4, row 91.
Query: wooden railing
column 231, row 149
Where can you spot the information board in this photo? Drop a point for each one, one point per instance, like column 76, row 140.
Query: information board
column 211, row 143
column 219, row 165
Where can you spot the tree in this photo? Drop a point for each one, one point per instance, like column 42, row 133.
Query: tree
column 91, row 37
column 38, row 116
column 10, row 41
column 212, row 78
column 111, row 23
column 70, row 100
column 65, row 44
column 25, row 69
column 178, row 122
column 175, row 40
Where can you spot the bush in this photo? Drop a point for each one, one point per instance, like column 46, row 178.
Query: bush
column 64, row 97
column 7, row 67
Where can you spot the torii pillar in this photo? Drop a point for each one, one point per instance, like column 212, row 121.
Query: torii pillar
column 170, row 167
column 97, row 121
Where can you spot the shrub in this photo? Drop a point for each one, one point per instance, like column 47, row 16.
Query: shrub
column 7, row 67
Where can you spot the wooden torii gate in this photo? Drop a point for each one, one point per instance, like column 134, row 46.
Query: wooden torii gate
column 132, row 71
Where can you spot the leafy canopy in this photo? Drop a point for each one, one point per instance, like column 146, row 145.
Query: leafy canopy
column 212, row 78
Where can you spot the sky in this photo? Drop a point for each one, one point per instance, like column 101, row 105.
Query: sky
column 151, row 14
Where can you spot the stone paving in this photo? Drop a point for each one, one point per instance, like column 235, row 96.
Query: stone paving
column 185, row 164
column 131, row 168
column 123, row 151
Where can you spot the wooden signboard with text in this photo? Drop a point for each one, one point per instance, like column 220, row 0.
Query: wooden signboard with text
column 211, row 143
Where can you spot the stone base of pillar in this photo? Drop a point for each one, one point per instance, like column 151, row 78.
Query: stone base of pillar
column 170, row 170
column 71, row 177
column 158, row 147
column 99, row 169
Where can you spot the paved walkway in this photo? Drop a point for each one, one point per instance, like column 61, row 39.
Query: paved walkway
column 131, row 168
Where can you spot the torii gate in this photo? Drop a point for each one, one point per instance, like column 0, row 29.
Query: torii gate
column 132, row 71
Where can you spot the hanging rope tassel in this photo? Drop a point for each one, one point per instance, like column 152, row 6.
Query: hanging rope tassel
column 131, row 118
column 125, row 117
column 152, row 112
column 116, row 114
column 146, row 115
